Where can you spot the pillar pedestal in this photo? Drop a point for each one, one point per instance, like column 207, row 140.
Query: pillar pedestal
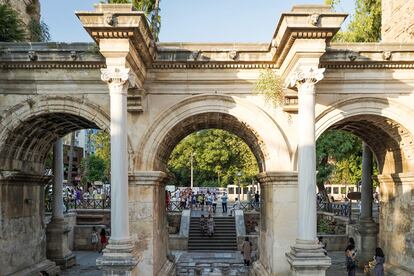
column 308, row 258
column 367, row 231
column 57, row 244
column 119, row 258
column 148, row 222
column 278, row 221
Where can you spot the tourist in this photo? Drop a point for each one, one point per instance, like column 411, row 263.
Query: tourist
column 203, row 199
column 199, row 200
column 379, row 262
column 236, row 206
column 104, row 239
column 214, row 202
column 350, row 257
column 167, row 200
column 94, row 239
column 323, row 245
column 203, row 225
column 256, row 200
column 247, row 251
column 224, row 202
column 210, row 225
column 193, row 201
column 209, row 202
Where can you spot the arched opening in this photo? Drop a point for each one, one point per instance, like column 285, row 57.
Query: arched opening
column 32, row 129
column 392, row 146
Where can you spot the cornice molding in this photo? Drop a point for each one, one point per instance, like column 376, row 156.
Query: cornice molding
column 368, row 65
column 52, row 65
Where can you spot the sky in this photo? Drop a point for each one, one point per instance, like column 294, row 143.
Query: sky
column 187, row 20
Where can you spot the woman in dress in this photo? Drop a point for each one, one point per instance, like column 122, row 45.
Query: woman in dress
column 210, row 225
column 247, row 251
column 379, row 262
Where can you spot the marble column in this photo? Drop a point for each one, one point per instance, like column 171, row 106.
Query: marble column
column 306, row 256
column 366, row 228
column 119, row 257
column 58, row 230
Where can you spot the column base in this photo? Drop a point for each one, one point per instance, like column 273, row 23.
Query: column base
column 119, row 258
column 57, row 248
column 169, row 268
column 50, row 267
column 368, row 231
column 307, row 258
column 258, row 269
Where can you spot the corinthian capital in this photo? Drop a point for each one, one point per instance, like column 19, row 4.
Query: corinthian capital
column 308, row 77
column 115, row 75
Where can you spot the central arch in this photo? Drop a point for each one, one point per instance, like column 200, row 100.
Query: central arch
column 241, row 117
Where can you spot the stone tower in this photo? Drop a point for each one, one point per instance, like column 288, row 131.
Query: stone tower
column 28, row 9
column 397, row 21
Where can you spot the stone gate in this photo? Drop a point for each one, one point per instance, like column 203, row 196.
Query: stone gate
column 151, row 95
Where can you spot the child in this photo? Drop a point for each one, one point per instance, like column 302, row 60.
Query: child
column 104, row 240
column 94, row 239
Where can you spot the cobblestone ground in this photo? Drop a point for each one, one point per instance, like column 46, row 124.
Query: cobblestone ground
column 338, row 265
column 86, row 264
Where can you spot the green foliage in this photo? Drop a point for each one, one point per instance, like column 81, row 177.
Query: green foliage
column 92, row 169
column 101, row 141
column 38, row 32
column 325, row 227
column 365, row 25
column 150, row 8
column 338, row 153
column 11, row 26
column 217, row 153
column 270, row 85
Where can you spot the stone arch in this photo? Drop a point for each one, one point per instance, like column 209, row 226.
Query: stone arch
column 382, row 123
column 28, row 129
column 260, row 132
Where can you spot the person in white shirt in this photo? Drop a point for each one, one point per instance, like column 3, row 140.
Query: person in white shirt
column 236, row 206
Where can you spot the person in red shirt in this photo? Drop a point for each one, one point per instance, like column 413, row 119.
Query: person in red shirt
column 104, row 239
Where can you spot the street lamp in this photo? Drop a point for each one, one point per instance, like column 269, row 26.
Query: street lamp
column 192, row 168
column 238, row 183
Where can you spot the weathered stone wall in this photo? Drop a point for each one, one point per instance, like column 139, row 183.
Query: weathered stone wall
column 27, row 9
column 397, row 21
column 397, row 220
column 22, row 227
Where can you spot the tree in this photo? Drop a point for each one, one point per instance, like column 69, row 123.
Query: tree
column 38, row 31
column 102, row 144
column 11, row 26
column 338, row 158
column 218, row 153
column 365, row 24
column 92, row 168
column 150, row 8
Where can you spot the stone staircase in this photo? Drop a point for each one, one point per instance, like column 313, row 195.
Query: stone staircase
column 211, row 264
column 224, row 239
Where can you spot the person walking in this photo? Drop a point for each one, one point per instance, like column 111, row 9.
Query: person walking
column 214, row 201
column 256, row 200
column 224, row 202
column 350, row 257
column 247, row 251
column 104, row 239
column 94, row 239
column 210, row 225
column 379, row 262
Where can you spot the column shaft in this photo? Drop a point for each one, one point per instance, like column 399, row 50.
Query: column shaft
column 366, row 186
column 119, row 163
column 57, row 212
column 306, row 163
